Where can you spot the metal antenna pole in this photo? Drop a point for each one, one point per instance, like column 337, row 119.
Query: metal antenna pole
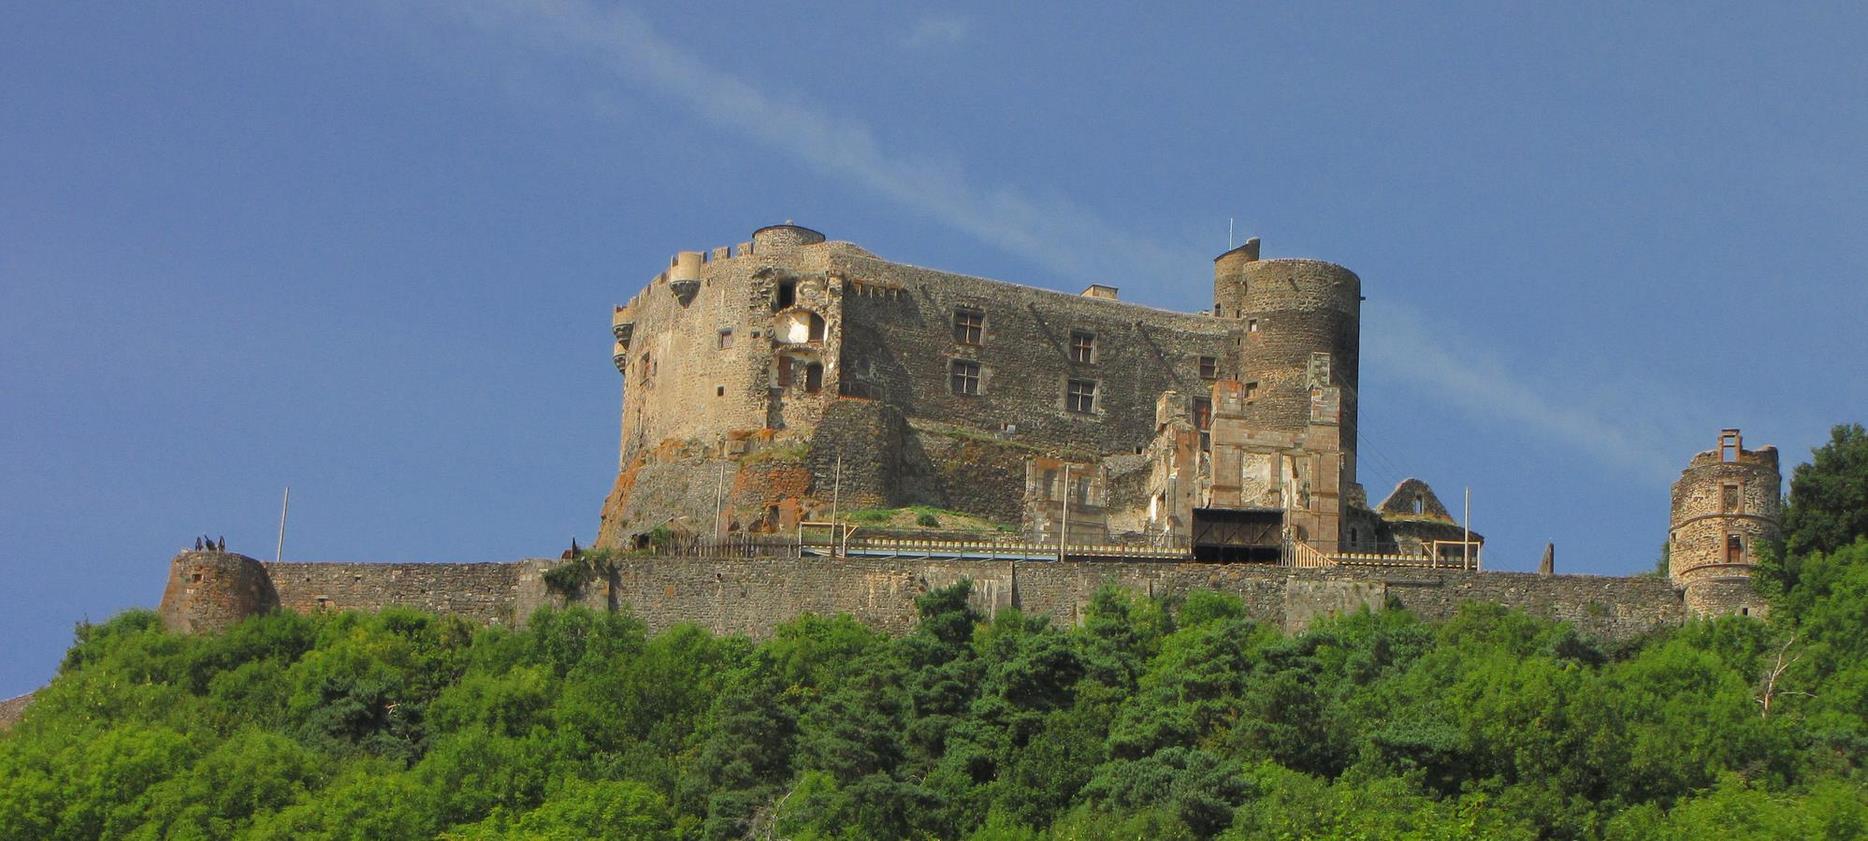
column 278, row 552
column 1063, row 534
column 718, row 483
column 1465, row 548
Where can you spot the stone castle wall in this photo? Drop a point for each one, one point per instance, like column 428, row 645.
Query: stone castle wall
column 487, row 592
column 901, row 348
column 752, row 596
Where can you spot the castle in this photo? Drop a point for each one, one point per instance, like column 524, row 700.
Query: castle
column 1153, row 451
column 803, row 375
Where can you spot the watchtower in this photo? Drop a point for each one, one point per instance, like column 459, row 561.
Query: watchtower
column 1726, row 505
column 210, row 591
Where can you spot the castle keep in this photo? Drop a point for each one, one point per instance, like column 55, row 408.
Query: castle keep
column 767, row 384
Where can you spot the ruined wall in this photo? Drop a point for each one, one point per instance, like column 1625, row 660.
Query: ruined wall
column 1726, row 505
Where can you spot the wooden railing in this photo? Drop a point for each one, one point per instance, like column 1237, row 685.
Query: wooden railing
column 1303, row 556
column 1298, row 555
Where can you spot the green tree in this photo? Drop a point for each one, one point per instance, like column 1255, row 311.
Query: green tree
column 1828, row 506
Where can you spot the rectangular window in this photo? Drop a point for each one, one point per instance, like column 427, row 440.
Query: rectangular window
column 1251, row 325
column 1729, row 499
column 1251, row 391
column 1209, row 367
column 1734, row 549
column 965, row 377
column 1082, row 346
column 1202, row 413
column 1080, row 396
column 969, row 326
column 784, row 371
column 725, row 340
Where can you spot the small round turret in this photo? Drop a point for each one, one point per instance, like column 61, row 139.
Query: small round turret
column 212, row 591
column 1726, row 505
column 778, row 239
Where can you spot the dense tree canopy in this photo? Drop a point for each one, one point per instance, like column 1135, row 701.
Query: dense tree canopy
column 1151, row 719
column 1828, row 506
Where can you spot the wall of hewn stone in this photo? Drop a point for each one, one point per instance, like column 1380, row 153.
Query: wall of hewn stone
column 209, row 590
column 753, row 596
column 750, row 597
column 487, row 592
column 901, row 347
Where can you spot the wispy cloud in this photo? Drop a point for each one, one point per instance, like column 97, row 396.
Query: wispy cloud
column 1053, row 232
column 1621, row 428
column 934, row 30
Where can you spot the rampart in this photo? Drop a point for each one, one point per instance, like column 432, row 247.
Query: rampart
column 752, row 596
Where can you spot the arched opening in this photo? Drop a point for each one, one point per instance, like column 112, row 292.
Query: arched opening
column 798, row 326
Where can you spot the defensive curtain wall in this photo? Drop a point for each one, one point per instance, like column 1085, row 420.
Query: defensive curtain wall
column 209, row 590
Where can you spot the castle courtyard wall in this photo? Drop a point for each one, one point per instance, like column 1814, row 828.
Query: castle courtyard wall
column 753, row 596
column 485, row 592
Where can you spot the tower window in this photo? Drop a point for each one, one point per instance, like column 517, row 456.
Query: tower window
column 969, row 326
column 1080, row 396
column 784, row 295
column 1251, row 391
column 1251, row 325
column 1209, row 367
column 1734, row 549
column 813, row 377
column 725, row 339
column 1729, row 499
column 1082, row 346
column 1202, row 413
column 965, row 377
column 784, row 371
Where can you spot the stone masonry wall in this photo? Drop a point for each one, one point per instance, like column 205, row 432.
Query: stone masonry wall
column 753, row 596
column 485, row 592
column 901, row 347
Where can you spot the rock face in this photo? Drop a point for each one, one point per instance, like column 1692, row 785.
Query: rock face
column 210, row 591
column 12, row 709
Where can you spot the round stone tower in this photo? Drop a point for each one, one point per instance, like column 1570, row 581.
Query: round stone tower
column 211, row 591
column 1726, row 506
column 1300, row 325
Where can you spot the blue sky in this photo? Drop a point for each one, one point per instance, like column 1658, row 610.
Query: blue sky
column 369, row 250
